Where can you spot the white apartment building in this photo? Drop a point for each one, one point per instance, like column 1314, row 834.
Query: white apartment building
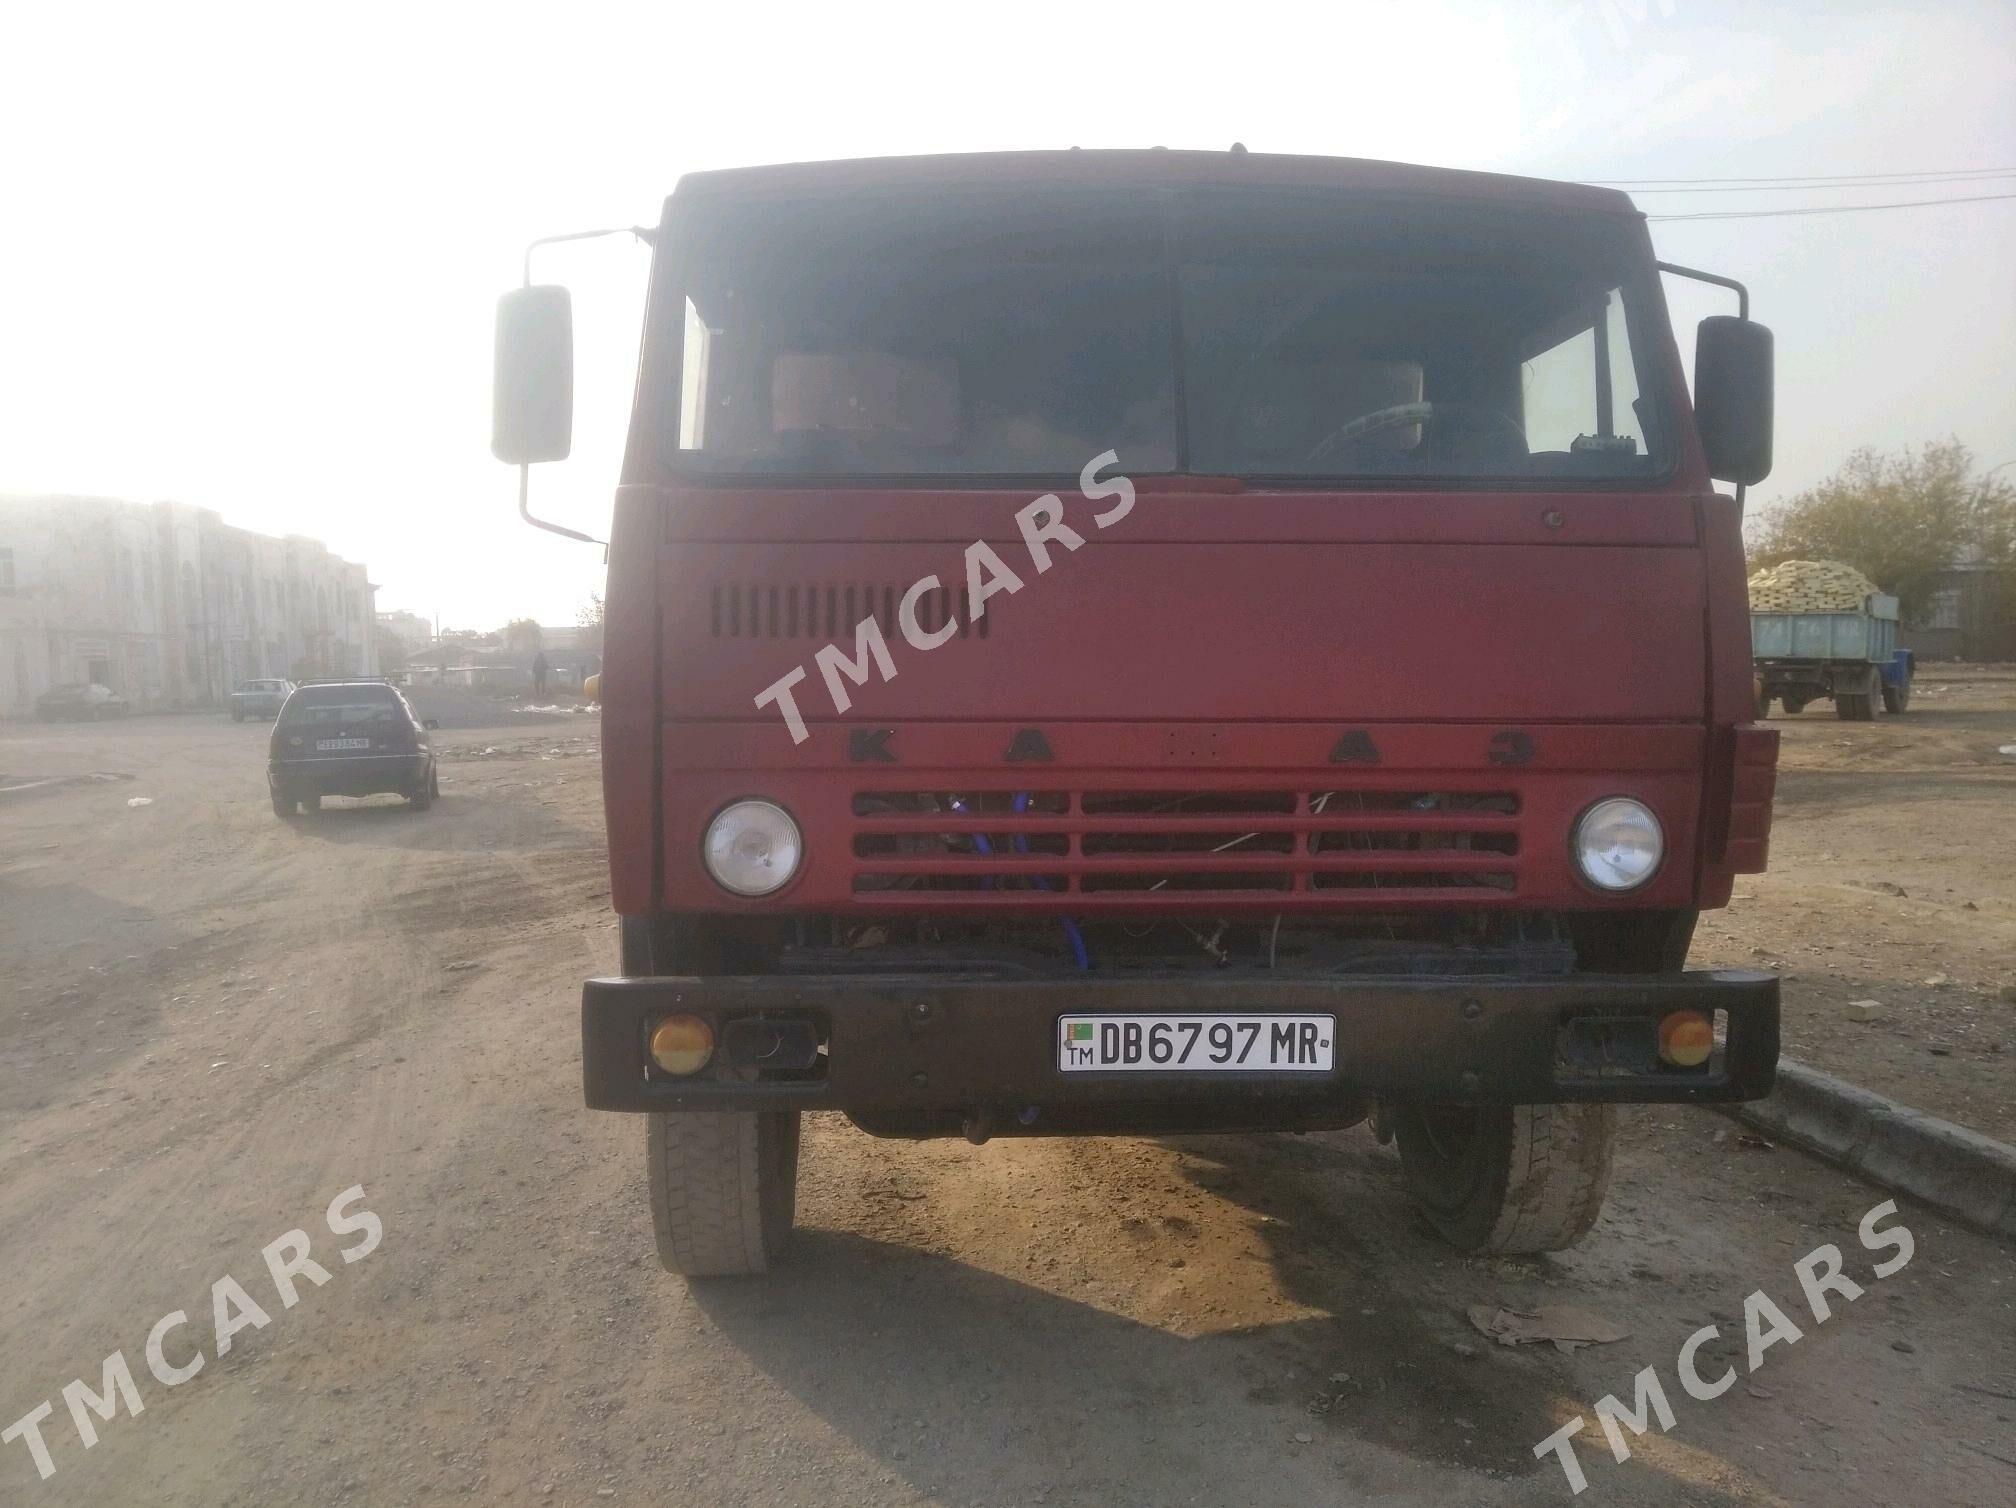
column 167, row 604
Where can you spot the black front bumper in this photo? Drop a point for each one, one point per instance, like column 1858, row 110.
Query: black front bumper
column 897, row 1044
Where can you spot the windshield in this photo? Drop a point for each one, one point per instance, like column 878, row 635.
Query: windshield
column 343, row 704
column 1309, row 336
column 985, row 337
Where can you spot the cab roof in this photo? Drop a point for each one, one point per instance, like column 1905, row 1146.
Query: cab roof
column 1155, row 167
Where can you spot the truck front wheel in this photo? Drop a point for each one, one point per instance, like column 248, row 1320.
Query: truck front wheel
column 1511, row 1179
column 724, row 1187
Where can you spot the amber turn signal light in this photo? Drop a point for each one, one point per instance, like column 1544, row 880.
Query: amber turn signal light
column 682, row 1044
column 1686, row 1038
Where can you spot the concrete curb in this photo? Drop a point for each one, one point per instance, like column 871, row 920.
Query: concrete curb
column 1958, row 1172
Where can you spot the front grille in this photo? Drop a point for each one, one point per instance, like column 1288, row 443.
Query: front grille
column 1151, row 845
column 828, row 611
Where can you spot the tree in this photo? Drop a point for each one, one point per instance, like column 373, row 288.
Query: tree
column 524, row 636
column 1902, row 520
column 590, row 619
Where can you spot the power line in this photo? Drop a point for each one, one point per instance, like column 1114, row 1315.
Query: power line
column 1914, row 173
column 1820, row 184
column 1826, row 209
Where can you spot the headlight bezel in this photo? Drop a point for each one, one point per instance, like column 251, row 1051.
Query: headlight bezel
column 1582, row 869
column 708, row 848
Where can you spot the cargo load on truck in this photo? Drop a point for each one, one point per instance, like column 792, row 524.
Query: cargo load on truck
column 1810, row 586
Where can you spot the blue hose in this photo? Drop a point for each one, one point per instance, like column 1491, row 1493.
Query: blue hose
column 1077, row 942
column 1071, row 933
column 979, row 839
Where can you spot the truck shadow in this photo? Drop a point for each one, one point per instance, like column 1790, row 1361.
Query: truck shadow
column 977, row 1386
column 458, row 821
column 1919, row 714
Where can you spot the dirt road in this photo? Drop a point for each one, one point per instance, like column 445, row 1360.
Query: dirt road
column 1892, row 880
column 212, row 1023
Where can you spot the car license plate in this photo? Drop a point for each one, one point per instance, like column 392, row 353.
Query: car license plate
column 1196, row 1044
column 342, row 743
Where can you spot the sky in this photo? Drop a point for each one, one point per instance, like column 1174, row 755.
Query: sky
column 249, row 256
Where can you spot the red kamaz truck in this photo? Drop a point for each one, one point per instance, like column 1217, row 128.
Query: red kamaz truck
column 1154, row 642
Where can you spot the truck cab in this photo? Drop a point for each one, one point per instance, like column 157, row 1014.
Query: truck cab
column 1151, row 642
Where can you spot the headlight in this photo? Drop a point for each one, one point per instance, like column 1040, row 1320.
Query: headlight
column 1618, row 844
column 752, row 847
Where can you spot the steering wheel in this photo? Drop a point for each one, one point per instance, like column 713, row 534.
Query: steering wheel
column 1400, row 414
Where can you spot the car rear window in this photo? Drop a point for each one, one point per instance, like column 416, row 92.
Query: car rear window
column 344, row 704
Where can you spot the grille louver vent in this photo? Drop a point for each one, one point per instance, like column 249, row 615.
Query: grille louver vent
column 828, row 611
column 1162, row 845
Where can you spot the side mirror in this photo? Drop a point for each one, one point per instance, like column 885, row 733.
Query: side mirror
column 532, row 412
column 1732, row 397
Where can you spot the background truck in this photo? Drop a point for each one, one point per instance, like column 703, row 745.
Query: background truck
column 1133, row 643
column 1821, row 629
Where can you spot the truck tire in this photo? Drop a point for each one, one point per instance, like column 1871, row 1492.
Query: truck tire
column 1511, row 1179
column 1763, row 706
column 283, row 806
column 1859, row 706
column 724, row 1186
column 1794, row 705
column 1896, row 698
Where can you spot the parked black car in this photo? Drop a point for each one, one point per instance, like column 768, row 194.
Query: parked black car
column 80, row 701
column 349, row 738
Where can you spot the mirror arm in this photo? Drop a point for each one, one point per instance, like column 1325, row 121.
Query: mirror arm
column 1742, row 312
column 649, row 238
column 1742, row 293
column 525, row 512
column 643, row 233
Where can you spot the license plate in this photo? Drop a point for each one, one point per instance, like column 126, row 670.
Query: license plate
column 1196, row 1044
column 342, row 743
